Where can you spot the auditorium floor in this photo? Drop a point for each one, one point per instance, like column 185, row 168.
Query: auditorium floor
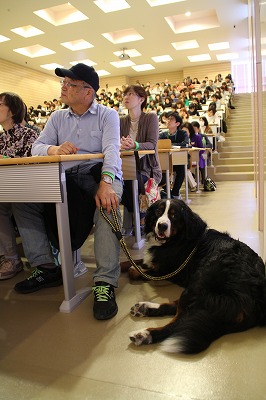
column 48, row 355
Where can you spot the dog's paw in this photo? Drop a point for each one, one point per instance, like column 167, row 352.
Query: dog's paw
column 141, row 309
column 140, row 337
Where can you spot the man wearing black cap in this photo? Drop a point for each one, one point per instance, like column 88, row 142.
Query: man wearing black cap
column 85, row 127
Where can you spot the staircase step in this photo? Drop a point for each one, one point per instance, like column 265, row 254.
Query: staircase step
column 231, row 147
column 241, row 168
column 236, row 154
column 232, row 176
column 217, row 160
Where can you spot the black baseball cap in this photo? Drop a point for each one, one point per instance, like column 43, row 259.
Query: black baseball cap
column 81, row 72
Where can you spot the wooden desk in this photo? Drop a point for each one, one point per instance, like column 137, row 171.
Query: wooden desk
column 42, row 179
column 178, row 156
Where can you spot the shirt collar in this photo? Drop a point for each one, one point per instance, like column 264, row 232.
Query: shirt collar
column 92, row 109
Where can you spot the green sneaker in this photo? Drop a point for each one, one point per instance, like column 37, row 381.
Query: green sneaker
column 105, row 306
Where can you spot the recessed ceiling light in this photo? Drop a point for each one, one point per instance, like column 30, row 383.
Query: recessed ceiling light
column 3, row 38
column 188, row 14
column 155, row 3
column 75, row 45
column 34, row 51
column 102, row 72
column 199, row 57
column 124, row 36
column 160, row 59
column 61, row 15
column 143, row 67
column 198, row 21
column 187, row 44
column 122, row 64
column 219, row 46
column 227, row 56
column 27, row 31
column 111, row 5
column 51, row 66
column 86, row 61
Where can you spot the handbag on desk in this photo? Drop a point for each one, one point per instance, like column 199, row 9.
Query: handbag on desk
column 149, row 192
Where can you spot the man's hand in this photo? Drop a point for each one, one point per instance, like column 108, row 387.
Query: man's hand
column 106, row 197
column 64, row 149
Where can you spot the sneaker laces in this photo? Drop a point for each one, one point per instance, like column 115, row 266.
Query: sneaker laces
column 36, row 272
column 102, row 293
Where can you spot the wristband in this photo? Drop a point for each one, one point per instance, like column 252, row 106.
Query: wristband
column 137, row 145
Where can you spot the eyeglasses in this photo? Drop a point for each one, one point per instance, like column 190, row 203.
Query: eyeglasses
column 72, row 85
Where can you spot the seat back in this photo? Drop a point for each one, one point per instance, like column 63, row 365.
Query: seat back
column 164, row 144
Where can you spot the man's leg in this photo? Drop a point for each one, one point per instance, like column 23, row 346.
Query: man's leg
column 107, row 251
column 179, row 179
column 30, row 222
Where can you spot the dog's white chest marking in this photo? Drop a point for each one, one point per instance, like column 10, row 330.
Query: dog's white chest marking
column 164, row 221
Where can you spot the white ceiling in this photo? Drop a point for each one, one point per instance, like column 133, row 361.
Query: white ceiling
column 149, row 22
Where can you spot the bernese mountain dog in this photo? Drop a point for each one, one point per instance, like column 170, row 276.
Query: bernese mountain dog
column 223, row 279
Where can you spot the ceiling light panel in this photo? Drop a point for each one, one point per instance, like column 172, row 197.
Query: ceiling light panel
column 3, row 39
column 27, row 31
column 86, row 61
column 34, row 51
column 111, row 5
column 51, row 66
column 155, row 3
column 143, row 67
column 124, row 36
column 198, row 21
column 227, row 56
column 219, row 46
column 122, row 64
column 199, row 57
column 187, row 44
column 103, row 72
column 160, row 59
column 61, row 15
column 75, row 45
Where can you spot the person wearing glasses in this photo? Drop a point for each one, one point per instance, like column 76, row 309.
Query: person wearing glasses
column 139, row 131
column 15, row 141
column 85, row 127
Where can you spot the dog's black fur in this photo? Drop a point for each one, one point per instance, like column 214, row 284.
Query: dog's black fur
column 225, row 286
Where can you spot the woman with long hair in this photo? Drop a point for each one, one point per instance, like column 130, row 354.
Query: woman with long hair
column 139, row 131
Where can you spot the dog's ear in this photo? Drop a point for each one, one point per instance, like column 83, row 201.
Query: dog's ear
column 193, row 224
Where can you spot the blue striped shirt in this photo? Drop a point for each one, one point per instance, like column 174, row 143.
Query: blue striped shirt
column 96, row 131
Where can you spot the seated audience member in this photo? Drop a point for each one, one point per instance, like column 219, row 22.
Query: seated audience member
column 163, row 121
column 100, row 180
column 139, row 131
column 211, row 115
column 196, row 141
column 204, row 126
column 216, row 99
column 180, row 138
column 201, row 99
column 205, row 140
column 192, row 109
column 28, row 122
column 15, row 141
column 184, row 114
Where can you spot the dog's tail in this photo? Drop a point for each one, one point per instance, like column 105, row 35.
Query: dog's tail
column 193, row 333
